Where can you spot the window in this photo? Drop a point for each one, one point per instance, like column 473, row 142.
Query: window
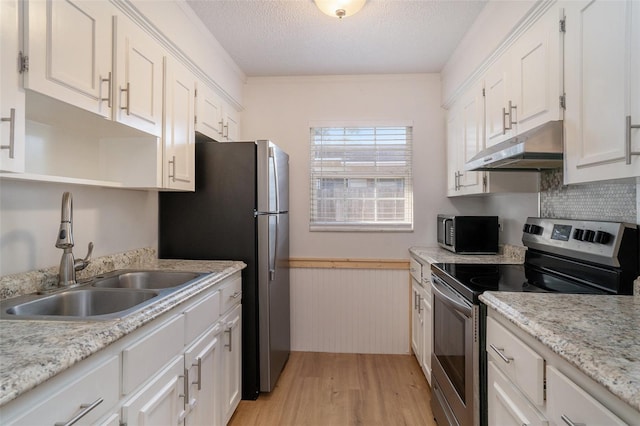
column 361, row 179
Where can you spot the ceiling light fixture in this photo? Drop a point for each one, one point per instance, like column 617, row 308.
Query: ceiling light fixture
column 339, row 8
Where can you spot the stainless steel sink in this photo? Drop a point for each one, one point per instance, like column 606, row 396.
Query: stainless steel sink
column 108, row 296
column 144, row 279
column 91, row 303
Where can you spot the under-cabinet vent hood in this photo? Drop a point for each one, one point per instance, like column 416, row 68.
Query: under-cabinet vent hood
column 538, row 149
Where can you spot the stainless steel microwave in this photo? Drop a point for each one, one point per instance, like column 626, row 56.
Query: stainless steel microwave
column 468, row 234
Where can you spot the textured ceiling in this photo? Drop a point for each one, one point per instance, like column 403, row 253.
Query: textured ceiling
column 292, row 37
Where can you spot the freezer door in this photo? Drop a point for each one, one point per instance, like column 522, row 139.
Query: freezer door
column 273, row 293
column 273, row 178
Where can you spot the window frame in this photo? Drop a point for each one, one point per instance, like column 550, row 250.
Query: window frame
column 403, row 171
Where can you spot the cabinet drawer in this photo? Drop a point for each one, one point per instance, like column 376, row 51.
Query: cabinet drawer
column 100, row 383
column 231, row 294
column 415, row 268
column 506, row 404
column 523, row 366
column 201, row 316
column 566, row 400
column 142, row 359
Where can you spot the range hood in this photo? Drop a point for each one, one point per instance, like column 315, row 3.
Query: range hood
column 537, row 149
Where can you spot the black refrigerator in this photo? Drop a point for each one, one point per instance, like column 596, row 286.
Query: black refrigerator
column 239, row 211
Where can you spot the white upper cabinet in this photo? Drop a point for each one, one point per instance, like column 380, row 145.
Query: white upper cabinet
column 179, row 134
column 68, row 44
column 602, row 83
column 523, row 87
column 498, row 100
column 209, row 120
column 537, row 84
column 231, row 125
column 139, row 78
column 12, row 99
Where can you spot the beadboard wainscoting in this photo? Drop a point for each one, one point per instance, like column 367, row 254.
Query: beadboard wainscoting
column 350, row 306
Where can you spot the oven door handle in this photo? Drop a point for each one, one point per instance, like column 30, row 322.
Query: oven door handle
column 449, row 297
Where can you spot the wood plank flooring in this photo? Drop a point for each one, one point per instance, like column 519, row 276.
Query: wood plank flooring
column 325, row 389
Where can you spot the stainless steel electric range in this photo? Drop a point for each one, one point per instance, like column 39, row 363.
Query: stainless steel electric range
column 563, row 256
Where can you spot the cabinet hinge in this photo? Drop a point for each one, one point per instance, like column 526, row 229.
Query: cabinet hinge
column 563, row 101
column 195, row 93
column 123, row 423
column 483, row 92
column 484, row 182
column 195, row 119
column 23, row 63
column 563, row 25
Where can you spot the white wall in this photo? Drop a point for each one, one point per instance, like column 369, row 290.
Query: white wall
column 281, row 108
column 115, row 220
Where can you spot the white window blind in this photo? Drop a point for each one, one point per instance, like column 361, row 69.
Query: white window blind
column 361, row 179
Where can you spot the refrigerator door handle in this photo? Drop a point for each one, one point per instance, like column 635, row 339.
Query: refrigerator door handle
column 273, row 155
column 273, row 257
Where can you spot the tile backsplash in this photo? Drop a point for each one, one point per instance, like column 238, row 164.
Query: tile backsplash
column 595, row 201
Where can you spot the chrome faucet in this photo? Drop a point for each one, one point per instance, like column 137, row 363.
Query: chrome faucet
column 69, row 265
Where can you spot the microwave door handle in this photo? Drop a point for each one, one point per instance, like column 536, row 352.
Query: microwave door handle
column 447, row 241
column 449, row 298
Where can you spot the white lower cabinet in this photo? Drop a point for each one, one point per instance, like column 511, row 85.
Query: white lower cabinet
column 89, row 392
column 567, row 402
column 161, row 401
column 184, row 368
column 421, row 315
column 528, row 384
column 202, row 363
column 232, row 362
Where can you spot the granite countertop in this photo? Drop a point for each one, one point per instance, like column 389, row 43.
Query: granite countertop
column 600, row 335
column 33, row 351
column 510, row 255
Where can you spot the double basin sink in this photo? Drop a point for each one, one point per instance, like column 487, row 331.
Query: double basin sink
column 108, row 296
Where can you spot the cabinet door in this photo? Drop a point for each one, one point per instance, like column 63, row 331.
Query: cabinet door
column 537, row 73
column 567, row 402
column 232, row 363
column 179, row 136
column 209, row 120
column 231, row 127
column 416, row 325
column 139, row 78
column 159, row 402
column 12, row 101
column 454, row 136
column 499, row 108
column 427, row 333
column 472, row 105
column 506, row 405
column 202, row 360
column 602, row 84
column 69, row 49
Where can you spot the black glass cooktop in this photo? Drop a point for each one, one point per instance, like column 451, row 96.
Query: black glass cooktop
column 471, row 279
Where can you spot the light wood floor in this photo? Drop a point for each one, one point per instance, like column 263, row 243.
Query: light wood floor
column 322, row 389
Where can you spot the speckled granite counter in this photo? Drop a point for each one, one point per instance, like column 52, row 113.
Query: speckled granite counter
column 600, row 335
column 510, row 255
column 33, row 351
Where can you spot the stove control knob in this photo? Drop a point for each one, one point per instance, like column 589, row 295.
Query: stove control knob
column 589, row 235
column 535, row 229
column 526, row 228
column 602, row 237
column 578, row 234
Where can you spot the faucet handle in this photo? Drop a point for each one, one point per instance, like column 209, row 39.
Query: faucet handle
column 80, row 264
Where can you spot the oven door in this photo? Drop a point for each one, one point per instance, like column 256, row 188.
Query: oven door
column 455, row 356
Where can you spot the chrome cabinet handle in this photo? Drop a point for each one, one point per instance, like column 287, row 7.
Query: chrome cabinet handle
column 504, row 123
column 628, row 152
column 108, row 98
column 226, row 127
column 509, row 114
column 172, row 168
column 569, row 422
column 128, row 90
column 185, row 386
column 199, row 365
column 221, row 124
column 457, row 181
column 12, row 132
column 505, row 358
column 235, row 295
column 230, row 345
column 86, row 408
